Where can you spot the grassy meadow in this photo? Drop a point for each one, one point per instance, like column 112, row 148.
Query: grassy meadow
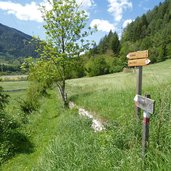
column 58, row 139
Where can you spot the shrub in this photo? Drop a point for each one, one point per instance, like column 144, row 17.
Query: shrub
column 7, row 129
column 96, row 66
column 31, row 103
column 3, row 99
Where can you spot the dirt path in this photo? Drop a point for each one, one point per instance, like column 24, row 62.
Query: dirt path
column 97, row 125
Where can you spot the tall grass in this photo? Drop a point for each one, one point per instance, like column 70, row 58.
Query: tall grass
column 119, row 147
column 40, row 128
column 77, row 147
column 64, row 141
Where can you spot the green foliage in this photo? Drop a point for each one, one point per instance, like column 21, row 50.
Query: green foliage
column 65, row 29
column 96, row 66
column 77, row 68
column 10, row 136
column 150, row 31
column 9, row 68
column 63, row 140
column 115, row 43
column 103, row 64
column 31, row 103
column 3, row 99
column 109, row 44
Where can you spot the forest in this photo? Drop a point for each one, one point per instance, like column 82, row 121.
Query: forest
column 150, row 31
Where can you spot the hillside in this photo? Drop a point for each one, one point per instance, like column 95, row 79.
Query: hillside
column 58, row 139
column 150, row 31
column 14, row 43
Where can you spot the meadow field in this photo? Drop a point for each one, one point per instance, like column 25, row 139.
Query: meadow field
column 53, row 138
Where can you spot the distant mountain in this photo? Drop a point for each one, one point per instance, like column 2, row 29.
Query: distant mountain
column 14, row 43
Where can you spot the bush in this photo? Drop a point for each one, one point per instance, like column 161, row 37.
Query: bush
column 7, row 129
column 76, row 68
column 96, row 66
column 3, row 99
column 31, row 103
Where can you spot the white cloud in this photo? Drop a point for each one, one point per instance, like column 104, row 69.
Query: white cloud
column 126, row 22
column 102, row 25
column 116, row 8
column 30, row 11
column 23, row 12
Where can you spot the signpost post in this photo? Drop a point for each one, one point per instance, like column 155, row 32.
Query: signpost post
column 147, row 105
column 138, row 90
column 138, row 59
column 145, row 135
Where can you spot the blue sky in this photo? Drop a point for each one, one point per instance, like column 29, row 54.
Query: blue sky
column 106, row 14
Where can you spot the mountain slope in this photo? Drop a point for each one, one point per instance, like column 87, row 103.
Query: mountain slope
column 150, row 31
column 14, row 43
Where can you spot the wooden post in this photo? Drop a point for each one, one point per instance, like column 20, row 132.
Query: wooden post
column 145, row 136
column 139, row 90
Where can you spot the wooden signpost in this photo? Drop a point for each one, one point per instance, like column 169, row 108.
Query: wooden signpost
column 139, row 59
column 138, row 62
column 138, row 55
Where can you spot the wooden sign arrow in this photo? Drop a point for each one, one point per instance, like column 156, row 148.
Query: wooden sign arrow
column 139, row 62
column 138, row 54
column 144, row 103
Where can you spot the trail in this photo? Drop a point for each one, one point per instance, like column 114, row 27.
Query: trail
column 97, row 125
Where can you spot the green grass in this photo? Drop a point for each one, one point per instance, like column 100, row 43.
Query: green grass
column 112, row 95
column 14, row 85
column 40, row 129
column 64, row 141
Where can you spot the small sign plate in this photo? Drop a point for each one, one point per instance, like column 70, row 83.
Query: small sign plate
column 138, row 62
column 138, row 55
column 144, row 103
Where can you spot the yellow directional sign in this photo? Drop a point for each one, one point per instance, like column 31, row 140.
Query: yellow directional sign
column 138, row 62
column 138, row 54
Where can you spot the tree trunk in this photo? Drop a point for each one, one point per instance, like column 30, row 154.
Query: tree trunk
column 63, row 94
column 64, row 98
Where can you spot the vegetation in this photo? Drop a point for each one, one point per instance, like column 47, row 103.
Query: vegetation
column 150, row 31
column 61, row 140
column 3, row 99
column 65, row 28
column 7, row 129
column 10, row 65
column 37, row 133
column 109, row 44
column 15, row 44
